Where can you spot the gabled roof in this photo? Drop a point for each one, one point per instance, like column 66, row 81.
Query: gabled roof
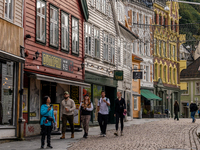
column 85, row 9
column 192, row 70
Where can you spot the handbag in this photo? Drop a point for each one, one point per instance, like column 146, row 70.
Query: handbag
column 49, row 118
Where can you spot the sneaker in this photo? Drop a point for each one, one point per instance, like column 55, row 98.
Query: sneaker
column 116, row 133
column 49, row 146
column 101, row 134
column 104, row 135
column 42, row 147
column 85, row 136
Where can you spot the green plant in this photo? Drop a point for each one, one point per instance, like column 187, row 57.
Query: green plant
column 145, row 112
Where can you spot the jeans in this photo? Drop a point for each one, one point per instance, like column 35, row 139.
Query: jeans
column 46, row 130
column 70, row 119
column 121, row 116
column 176, row 116
column 103, row 121
column 192, row 115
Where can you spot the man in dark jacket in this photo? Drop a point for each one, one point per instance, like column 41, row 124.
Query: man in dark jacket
column 176, row 110
column 193, row 109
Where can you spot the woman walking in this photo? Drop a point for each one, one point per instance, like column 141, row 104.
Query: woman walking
column 176, row 110
column 86, row 107
column 46, row 121
column 120, row 111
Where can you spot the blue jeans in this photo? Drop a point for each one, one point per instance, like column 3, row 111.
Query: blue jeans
column 192, row 115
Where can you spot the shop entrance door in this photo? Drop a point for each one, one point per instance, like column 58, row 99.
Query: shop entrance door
column 111, row 93
column 49, row 89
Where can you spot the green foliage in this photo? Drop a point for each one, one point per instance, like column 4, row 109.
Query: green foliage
column 145, row 112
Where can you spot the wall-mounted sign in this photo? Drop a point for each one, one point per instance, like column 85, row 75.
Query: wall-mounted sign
column 74, row 93
column 137, row 75
column 56, row 62
column 118, row 75
column 32, row 114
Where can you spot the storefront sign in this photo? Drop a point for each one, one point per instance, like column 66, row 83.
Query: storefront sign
column 118, row 75
column 57, row 62
column 137, row 75
column 74, row 93
column 32, row 114
column 56, row 111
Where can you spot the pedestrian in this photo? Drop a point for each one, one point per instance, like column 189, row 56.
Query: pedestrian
column 176, row 110
column 199, row 111
column 193, row 109
column 86, row 107
column 67, row 110
column 103, row 111
column 46, row 121
column 120, row 111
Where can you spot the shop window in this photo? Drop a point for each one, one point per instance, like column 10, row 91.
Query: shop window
column 9, row 7
column 96, row 43
column 41, row 21
column 88, row 39
column 187, row 91
column 112, row 50
column 105, row 46
column 135, row 103
column 53, row 26
column 75, row 36
column 65, row 31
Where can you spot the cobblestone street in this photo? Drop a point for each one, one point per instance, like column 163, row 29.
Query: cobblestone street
column 150, row 136
column 139, row 134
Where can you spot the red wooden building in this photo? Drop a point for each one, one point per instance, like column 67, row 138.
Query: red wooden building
column 54, row 48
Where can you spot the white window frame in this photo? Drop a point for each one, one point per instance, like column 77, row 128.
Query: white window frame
column 7, row 15
column 75, row 35
column 140, row 48
column 106, row 46
column 119, row 52
column 112, row 49
column 146, row 22
column 92, row 2
column 98, row 4
column 88, row 39
column 126, row 53
column 42, row 36
column 54, row 27
column 196, row 88
column 96, row 42
column 135, row 103
column 109, row 10
column 65, row 31
column 103, row 6
column 146, row 49
column 140, row 20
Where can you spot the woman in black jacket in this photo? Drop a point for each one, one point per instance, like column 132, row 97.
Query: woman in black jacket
column 120, row 111
column 176, row 110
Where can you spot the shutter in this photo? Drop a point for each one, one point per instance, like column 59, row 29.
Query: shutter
column 130, row 17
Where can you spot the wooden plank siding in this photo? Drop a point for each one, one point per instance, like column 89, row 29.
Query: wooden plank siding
column 104, row 23
column 73, row 8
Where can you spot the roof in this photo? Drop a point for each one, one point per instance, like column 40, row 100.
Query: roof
column 127, row 33
column 85, row 9
column 135, row 57
column 192, row 70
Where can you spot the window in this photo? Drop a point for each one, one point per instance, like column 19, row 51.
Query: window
column 147, row 73
column 53, row 26
column 165, row 71
column 119, row 52
column 174, row 75
column 142, row 70
column 156, row 72
column 92, row 2
column 172, row 27
column 160, row 20
column 146, row 22
column 174, row 52
column 112, row 50
column 197, row 88
column 96, row 43
column 161, row 71
column 98, row 4
column 140, row 20
column 75, row 36
column 159, row 47
column 144, row 73
column 133, row 17
column 165, row 22
column 140, row 48
column 134, row 48
column 176, row 27
column 164, row 49
column 155, row 18
column 9, row 9
column 169, row 51
column 88, row 39
column 103, row 6
column 109, row 10
column 170, row 75
column 146, row 50
column 135, row 103
column 105, row 46
column 65, row 31
column 155, row 46
column 135, row 69
column 41, row 21
column 187, row 91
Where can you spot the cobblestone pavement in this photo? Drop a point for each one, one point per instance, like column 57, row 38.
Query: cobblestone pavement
column 165, row 134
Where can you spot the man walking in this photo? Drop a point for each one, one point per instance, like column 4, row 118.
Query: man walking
column 67, row 110
column 193, row 109
column 103, row 111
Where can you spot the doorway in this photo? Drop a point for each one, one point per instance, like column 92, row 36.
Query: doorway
column 49, row 89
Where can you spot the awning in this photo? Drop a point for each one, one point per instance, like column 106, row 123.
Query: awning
column 60, row 80
column 135, row 93
column 150, row 96
column 8, row 56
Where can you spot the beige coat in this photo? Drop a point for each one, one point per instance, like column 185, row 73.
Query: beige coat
column 70, row 105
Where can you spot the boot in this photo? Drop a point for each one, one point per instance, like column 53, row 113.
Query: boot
column 63, row 136
column 72, row 135
column 116, row 133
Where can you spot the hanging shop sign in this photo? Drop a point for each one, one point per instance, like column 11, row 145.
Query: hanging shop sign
column 137, row 75
column 56, row 62
column 118, row 75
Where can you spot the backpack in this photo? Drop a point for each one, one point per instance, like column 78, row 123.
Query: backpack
column 107, row 105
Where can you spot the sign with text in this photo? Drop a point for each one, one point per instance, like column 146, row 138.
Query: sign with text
column 74, row 93
column 56, row 62
column 56, row 112
column 118, row 75
column 137, row 75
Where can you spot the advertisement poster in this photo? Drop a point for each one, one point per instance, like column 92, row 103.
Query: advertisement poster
column 56, row 110
column 25, row 100
column 76, row 116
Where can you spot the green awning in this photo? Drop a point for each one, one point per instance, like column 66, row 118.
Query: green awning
column 150, row 96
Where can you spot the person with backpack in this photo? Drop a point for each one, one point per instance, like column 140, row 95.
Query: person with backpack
column 193, row 109
column 86, row 108
column 103, row 108
column 46, row 121
column 120, row 112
